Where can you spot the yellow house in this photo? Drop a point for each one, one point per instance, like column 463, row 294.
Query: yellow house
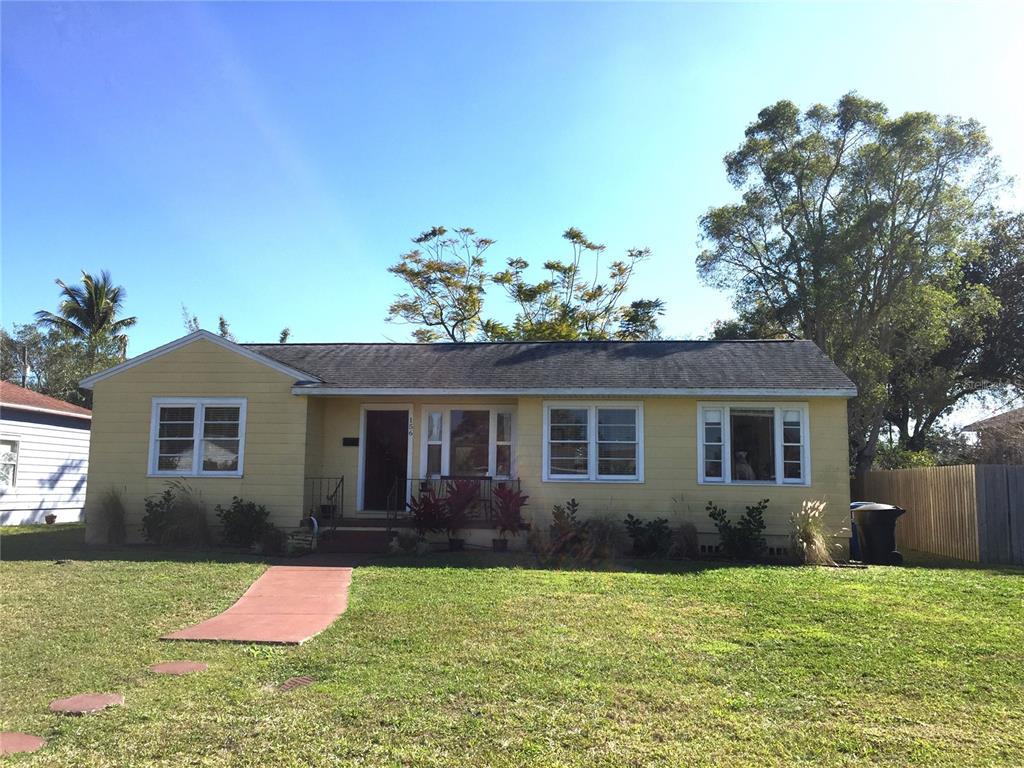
column 353, row 432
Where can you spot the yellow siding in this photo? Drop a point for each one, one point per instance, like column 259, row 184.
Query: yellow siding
column 670, row 488
column 275, row 440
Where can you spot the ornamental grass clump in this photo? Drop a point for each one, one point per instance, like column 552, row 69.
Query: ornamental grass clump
column 809, row 540
column 112, row 514
column 176, row 517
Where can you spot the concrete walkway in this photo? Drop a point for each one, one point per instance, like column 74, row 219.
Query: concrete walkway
column 288, row 604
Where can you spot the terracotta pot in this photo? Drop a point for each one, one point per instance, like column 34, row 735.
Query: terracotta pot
column 50, row 519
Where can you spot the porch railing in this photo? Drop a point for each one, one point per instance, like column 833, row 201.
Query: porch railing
column 482, row 508
column 326, row 499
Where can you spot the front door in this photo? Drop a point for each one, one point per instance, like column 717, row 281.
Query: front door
column 386, row 459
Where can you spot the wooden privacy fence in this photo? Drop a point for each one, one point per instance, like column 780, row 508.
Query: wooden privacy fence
column 969, row 512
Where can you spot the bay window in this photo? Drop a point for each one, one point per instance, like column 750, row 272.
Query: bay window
column 753, row 443
column 593, row 441
column 197, row 436
column 471, row 441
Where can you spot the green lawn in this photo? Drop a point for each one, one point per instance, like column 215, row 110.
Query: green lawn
column 508, row 666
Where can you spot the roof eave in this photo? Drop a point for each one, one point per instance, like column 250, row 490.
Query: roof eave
column 300, row 376
column 52, row 411
column 328, row 390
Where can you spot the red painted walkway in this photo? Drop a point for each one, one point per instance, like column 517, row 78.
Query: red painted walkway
column 288, row 604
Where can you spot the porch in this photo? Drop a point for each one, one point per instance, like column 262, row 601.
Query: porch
column 326, row 497
column 366, row 459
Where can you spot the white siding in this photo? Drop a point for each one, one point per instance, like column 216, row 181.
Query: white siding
column 52, row 466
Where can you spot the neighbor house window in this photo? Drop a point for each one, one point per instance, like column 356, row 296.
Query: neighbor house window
column 467, row 441
column 593, row 442
column 197, row 436
column 753, row 443
column 8, row 463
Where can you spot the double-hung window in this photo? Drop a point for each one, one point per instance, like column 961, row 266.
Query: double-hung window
column 593, row 441
column 8, row 462
column 197, row 436
column 753, row 443
column 471, row 441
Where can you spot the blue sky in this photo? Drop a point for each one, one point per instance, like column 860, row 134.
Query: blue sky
column 269, row 161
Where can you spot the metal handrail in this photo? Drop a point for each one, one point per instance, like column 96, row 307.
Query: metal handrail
column 327, row 499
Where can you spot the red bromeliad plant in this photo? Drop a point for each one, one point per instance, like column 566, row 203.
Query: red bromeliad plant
column 460, row 496
column 428, row 513
column 509, row 503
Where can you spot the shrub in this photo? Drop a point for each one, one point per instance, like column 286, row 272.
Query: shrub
column 177, row 517
column 408, row 542
column 460, row 496
column 428, row 513
column 508, row 512
column 601, row 539
column 111, row 517
column 651, row 537
column 273, row 541
column 742, row 540
column 242, row 523
column 809, row 540
column 570, row 538
column 540, row 544
column 566, row 531
column 685, row 542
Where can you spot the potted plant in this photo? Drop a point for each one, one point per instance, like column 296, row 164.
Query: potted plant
column 428, row 513
column 461, row 495
column 50, row 519
column 508, row 516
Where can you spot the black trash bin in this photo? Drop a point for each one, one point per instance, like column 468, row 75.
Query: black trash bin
column 876, row 533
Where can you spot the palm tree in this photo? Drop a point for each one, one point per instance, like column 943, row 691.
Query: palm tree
column 89, row 311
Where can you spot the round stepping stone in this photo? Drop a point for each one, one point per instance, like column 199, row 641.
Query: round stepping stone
column 85, row 703
column 179, row 667
column 13, row 742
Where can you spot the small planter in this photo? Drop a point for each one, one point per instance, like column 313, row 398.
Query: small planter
column 456, row 545
column 50, row 519
column 499, row 545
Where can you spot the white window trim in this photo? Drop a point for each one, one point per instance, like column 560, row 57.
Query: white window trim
column 17, row 458
column 200, row 404
column 492, row 435
column 778, row 408
column 592, row 476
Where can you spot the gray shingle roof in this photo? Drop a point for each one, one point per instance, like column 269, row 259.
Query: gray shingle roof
column 736, row 366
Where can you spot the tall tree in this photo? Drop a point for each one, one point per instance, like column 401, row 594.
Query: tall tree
column 569, row 305
column 979, row 347
column 192, row 324
column 224, row 329
column 90, row 311
column 52, row 361
column 445, row 283
column 849, row 224
column 639, row 321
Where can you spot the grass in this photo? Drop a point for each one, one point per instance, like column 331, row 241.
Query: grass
column 508, row 666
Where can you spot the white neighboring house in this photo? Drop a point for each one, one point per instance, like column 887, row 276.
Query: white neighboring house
column 44, row 457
